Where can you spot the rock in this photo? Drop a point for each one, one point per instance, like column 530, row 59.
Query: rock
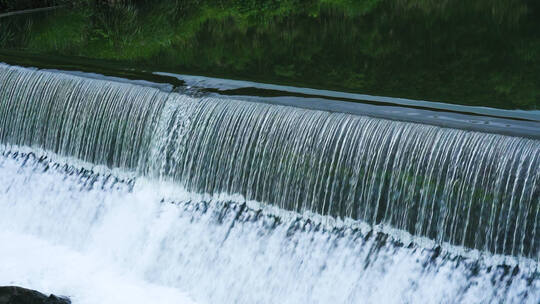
column 19, row 295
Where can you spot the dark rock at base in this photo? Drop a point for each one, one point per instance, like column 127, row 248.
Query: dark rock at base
column 19, row 295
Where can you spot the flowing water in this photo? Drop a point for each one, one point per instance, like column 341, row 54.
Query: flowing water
column 241, row 202
column 140, row 240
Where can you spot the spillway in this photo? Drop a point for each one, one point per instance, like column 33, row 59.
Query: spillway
column 240, row 202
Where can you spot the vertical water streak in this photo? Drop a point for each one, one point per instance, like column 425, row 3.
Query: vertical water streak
column 467, row 188
column 98, row 121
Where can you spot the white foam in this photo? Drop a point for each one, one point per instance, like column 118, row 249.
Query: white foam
column 87, row 279
column 119, row 246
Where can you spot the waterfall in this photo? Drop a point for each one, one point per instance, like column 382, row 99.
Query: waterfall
column 465, row 188
column 176, row 198
column 103, row 122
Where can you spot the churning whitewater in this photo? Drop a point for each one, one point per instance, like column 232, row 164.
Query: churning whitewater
column 218, row 200
column 126, row 241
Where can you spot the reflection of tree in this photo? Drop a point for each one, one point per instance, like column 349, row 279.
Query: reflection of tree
column 474, row 52
column 507, row 12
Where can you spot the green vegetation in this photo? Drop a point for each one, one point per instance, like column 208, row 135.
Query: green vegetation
column 484, row 52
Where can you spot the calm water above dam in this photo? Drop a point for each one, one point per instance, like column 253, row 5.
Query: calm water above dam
column 483, row 53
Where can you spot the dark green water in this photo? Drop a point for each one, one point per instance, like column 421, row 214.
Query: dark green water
column 484, row 52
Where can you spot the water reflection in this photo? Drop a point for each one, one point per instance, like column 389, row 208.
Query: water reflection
column 469, row 52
